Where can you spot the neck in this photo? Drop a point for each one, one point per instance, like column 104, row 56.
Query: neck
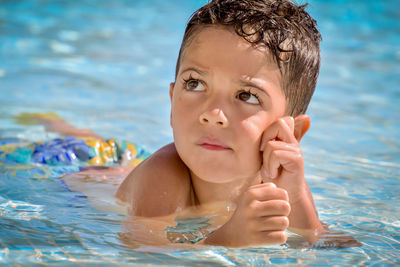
column 208, row 192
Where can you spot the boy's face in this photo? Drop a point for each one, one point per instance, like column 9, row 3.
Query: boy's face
column 226, row 94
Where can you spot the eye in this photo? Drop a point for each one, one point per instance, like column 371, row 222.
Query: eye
column 193, row 85
column 248, row 97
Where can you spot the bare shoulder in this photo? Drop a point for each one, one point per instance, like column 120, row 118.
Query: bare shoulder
column 158, row 186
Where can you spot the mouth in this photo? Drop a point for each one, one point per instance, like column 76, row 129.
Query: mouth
column 212, row 144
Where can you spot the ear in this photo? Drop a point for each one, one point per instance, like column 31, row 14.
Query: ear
column 301, row 125
column 171, row 90
column 171, row 93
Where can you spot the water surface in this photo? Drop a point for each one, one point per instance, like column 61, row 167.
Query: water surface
column 106, row 65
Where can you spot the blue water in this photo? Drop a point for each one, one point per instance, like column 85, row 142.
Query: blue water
column 106, row 65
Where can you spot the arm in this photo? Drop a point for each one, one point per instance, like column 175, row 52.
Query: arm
column 283, row 165
column 160, row 186
column 265, row 211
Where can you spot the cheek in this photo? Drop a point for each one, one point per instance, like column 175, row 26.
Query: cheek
column 254, row 127
column 177, row 109
column 252, row 130
column 183, row 117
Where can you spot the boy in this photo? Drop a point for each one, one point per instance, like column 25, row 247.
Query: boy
column 245, row 74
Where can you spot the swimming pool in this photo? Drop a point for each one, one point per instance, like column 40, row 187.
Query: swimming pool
column 107, row 65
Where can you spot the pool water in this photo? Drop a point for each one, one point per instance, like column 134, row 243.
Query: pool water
column 106, row 65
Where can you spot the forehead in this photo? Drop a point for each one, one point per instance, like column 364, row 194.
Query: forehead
column 217, row 48
column 224, row 42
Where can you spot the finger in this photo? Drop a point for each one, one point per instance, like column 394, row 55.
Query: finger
column 272, row 146
column 290, row 123
column 272, row 185
column 271, row 208
column 272, row 223
column 290, row 161
column 281, row 130
column 265, row 192
column 273, row 237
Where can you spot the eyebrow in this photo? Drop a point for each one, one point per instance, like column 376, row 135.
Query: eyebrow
column 201, row 72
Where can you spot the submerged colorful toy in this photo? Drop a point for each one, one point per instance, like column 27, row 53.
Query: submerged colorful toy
column 72, row 151
column 56, row 157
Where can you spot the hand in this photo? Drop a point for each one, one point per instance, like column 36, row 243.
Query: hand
column 283, row 165
column 282, row 156
column 261, row 218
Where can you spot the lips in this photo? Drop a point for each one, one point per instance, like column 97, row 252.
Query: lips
column 212, row 144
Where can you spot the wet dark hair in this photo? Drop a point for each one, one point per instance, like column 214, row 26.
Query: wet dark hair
column 287, row 30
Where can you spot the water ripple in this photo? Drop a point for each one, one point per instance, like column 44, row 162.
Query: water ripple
column 20, row 210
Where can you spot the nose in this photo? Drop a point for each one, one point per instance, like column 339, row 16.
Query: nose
column 215, row 117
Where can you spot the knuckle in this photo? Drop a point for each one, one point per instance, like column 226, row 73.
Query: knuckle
column 280, row 223
column 297, row 149
column 270, row 185
column 254, row 205
column 298, row 156
column 283, row 194
column 250, row 195
column 284, row 207
column 285, row 222
column 281, row 121
column 287, row 208
column 269, row 145
column 282, row 237
column 276, row 237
